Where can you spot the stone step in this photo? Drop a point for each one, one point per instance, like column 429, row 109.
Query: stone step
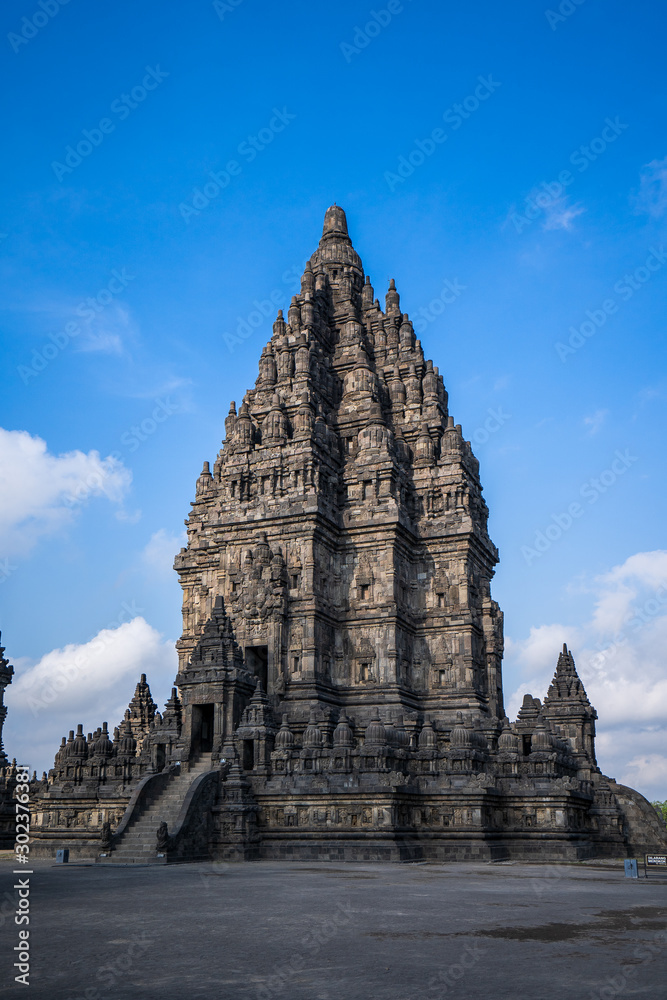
column 176, row 800
column 155, row 820
column 151, row 824
column 138, row 842
column 161, row 805
column 172, row 801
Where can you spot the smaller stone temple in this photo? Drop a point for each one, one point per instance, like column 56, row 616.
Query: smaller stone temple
column 339, row 691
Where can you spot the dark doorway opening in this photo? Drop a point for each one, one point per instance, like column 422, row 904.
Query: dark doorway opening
column 257, row 661
column 248, row 755
column 202, row 728
column 158, row 756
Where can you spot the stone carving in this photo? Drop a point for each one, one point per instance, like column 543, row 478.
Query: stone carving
column 105, row 836
column 162, row 840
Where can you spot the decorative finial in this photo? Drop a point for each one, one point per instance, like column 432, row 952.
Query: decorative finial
column 335, row 222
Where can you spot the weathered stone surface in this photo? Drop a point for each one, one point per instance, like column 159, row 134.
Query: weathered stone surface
column 340, row 662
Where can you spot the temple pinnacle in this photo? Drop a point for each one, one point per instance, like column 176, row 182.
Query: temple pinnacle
column 335, row 222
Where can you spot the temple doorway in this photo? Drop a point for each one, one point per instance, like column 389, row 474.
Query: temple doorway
column 202, row 728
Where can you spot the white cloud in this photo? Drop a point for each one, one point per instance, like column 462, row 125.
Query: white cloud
column 623, row 586
column 595, row 421
column 559, row 215
column 649, row 568
column 649, row 769
column 102, row 342
column 652, row 392
column 40, row 493
column 128, row 517
column 619, row 650
column 652, row 196
column 155, row 386
column 108, row 331
column 158, row 554
column 90, row 682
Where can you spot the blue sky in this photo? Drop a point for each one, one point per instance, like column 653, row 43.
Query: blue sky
column 514, row 153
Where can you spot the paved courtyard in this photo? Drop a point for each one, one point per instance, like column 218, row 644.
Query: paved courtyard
column 268, row 931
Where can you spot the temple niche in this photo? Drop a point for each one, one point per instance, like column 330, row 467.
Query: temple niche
column 339, row 692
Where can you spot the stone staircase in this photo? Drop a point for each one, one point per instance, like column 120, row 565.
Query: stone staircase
column 138, row 843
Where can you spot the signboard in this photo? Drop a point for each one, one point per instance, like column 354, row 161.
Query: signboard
column 655, row 864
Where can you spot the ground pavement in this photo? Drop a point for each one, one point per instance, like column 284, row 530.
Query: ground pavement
column 299, row 931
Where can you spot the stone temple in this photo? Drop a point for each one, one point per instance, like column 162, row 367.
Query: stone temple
column 339, row 692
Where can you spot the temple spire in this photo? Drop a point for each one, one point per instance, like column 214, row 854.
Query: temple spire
column 566, row 681
column 335, row 222
column 568, row 709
